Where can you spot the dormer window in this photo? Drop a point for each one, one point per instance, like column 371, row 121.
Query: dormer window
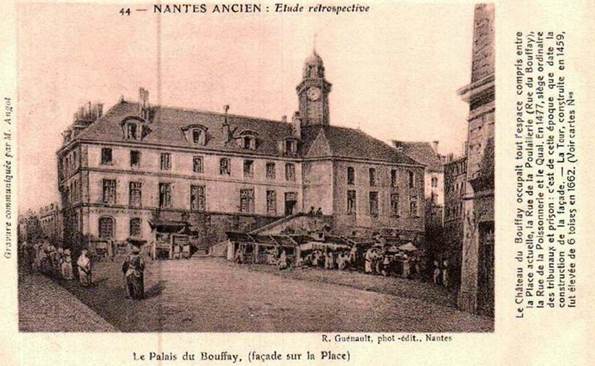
column 195, row 134
column 248, row 140
column 134, row 128
column 289, row 146
column 131, row 131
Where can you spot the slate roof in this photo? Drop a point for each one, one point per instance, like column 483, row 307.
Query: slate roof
column 166, row 129
column 167, row 123
column 423, row 153
column 335, row 141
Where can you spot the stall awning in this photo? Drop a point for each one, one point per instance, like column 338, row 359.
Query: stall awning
column 178, row 227
column 316, row 245
column 409, row 247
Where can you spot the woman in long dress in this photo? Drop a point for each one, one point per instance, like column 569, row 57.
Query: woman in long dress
column 133, row 269
column 84, row 267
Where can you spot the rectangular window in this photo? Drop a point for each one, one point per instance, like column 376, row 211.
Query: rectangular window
column 164, row 195
column 374, row 204
column 413, row 206
column 248, row 168
column 247, row 200
column 290, row 203
column 393, row 178
column 109, row 191
column 372, row 177
column 351, row 202
column 411, row 179
column 271, row 202
column 224, row 166
column 434, row 182
column 135, row 226
column 106, row 227
column 197, row 164
column 290, row 172
column 394, row 204
column 198, row 198
column 106, row 156
column 134, row 158
column 196, row 135
column 270, row 171
column 165, row 161
column 135, row 194
column 350, row 175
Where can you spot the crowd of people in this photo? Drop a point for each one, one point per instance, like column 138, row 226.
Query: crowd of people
column 57, row 263
column 384, row 260
column 372, row 260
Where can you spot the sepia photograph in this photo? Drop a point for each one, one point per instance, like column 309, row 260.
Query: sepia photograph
column 201, row 172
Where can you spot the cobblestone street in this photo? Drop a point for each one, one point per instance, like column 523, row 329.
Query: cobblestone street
column 45, row 306
column 211, row 295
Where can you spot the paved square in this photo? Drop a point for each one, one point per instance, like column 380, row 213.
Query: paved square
column 212, row 295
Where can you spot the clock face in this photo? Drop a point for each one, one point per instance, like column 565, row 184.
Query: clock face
column 313, row 93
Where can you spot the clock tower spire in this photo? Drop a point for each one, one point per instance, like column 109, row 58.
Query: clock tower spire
column 313, row 92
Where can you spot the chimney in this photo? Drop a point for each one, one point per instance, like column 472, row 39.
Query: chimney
column 297, row 124
column 398, row 145
column 99, row 110
column 435, row 146
column 225, row 127
column 143, row 102
column 284, row 118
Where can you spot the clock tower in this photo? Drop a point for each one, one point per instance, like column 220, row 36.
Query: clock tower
column 313, row 93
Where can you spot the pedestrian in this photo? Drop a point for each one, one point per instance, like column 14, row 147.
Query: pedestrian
column 133, row 269
column 386, row 262
column 84, row 267
column 368, row 260
column 445, row 274
column 353, row 256
column 67, row 266
column 283, row 260
column 45, row 265
column 436, row 275
column 59, row 261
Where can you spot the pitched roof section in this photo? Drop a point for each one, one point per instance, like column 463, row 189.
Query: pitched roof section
column 421, row 152
column 343, row 142
column 317, row 141
column 168, row 123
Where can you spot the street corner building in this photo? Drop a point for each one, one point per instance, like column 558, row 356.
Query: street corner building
column 477, row 280
column 144, row 173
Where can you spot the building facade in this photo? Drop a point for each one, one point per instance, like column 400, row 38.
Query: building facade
column 455, row 180
column 137, row 168
column 50, row 220
column 477, row 278
column 427, row 154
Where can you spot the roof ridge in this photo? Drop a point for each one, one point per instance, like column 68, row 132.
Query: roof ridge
column 204, row 111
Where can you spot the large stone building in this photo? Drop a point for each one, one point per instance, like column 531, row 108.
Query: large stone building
column 140, row 169
column 477, row 277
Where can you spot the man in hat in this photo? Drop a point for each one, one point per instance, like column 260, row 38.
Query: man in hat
column 133, row 269
column 84, row 268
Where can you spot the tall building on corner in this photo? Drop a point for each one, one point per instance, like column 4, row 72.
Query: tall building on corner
column 477, row 271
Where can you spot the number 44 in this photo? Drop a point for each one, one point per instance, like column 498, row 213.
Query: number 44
column 125, row 11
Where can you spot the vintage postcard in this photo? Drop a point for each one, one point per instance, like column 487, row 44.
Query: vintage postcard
column 296, row 183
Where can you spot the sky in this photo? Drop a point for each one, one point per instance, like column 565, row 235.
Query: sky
column 395, row 71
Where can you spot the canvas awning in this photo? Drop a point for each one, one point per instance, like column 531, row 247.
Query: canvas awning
column 409, row 247
column 316, row 245
column 178, row 227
